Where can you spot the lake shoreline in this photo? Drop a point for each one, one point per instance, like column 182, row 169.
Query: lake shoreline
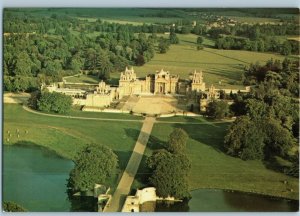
column 35, row 145
column 224, row 189
column 248, row 192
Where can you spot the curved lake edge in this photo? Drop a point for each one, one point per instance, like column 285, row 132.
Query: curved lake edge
column 248, row 193
column 28, row 169
column 217, row 200
column 32, row 144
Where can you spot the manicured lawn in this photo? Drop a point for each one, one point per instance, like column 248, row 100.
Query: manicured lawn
column 187, row 119
column 83, row 79
column 75, row 111
column 67, row 136
column 104, row 115
column 212, row 168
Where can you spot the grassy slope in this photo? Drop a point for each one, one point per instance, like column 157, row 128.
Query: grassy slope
column 83, row 79
column 218, row 65
column 212, row 168
column 67, row 136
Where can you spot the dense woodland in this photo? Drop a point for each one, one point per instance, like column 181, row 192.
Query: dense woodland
column 44, row 49
column 259, row 37
column 267, row 126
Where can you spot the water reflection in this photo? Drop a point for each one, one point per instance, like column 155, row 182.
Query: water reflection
column 35, row 178
column 205, row 200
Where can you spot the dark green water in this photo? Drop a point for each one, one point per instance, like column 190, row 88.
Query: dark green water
column 204, row 200
column 35, row 178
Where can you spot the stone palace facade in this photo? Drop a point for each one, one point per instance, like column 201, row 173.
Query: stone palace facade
column 160, row 83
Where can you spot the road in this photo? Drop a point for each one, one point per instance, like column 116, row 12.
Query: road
column 127, row 178
column 78, row 117
column 122, row 120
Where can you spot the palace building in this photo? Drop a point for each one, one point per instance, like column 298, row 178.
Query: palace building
column 160, row 83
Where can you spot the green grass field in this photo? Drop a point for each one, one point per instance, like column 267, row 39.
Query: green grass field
column 83, row 79
column 213, row 168
column 67, row 136
column 224, row 66
column 79, row 113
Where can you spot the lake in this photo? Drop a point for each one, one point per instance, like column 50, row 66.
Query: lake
column 35, row 178
column 208, row 200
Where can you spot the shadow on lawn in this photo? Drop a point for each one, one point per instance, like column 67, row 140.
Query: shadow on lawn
column 211, row 135
column 273, row 163
column 123, row 157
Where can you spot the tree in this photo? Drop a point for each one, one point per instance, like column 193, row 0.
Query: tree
column 177, row 141
column 244, row 139
column 140, row 60
column 104, row 65
column 200, row 40
column 9, row 206
column 170, row 172
column 20, row 83
column 163, row 45
column 23, row 64
column 173, row 38
column 217, row 109
column 53, row 68
column 32, row 101
column 54, row 102
column 279, row 140
column 95, row 164
column 286, row 48
column 185, row 29
column 293, row 170
column 255, row 108
column 76, row 63
column 8, row 83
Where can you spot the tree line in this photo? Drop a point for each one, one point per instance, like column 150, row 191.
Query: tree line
column 266, row 44
column 258, row 37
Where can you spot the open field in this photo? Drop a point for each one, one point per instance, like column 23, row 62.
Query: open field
column 222, row 68
column 67, row 136
column 213, row 168
column 225, row 66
